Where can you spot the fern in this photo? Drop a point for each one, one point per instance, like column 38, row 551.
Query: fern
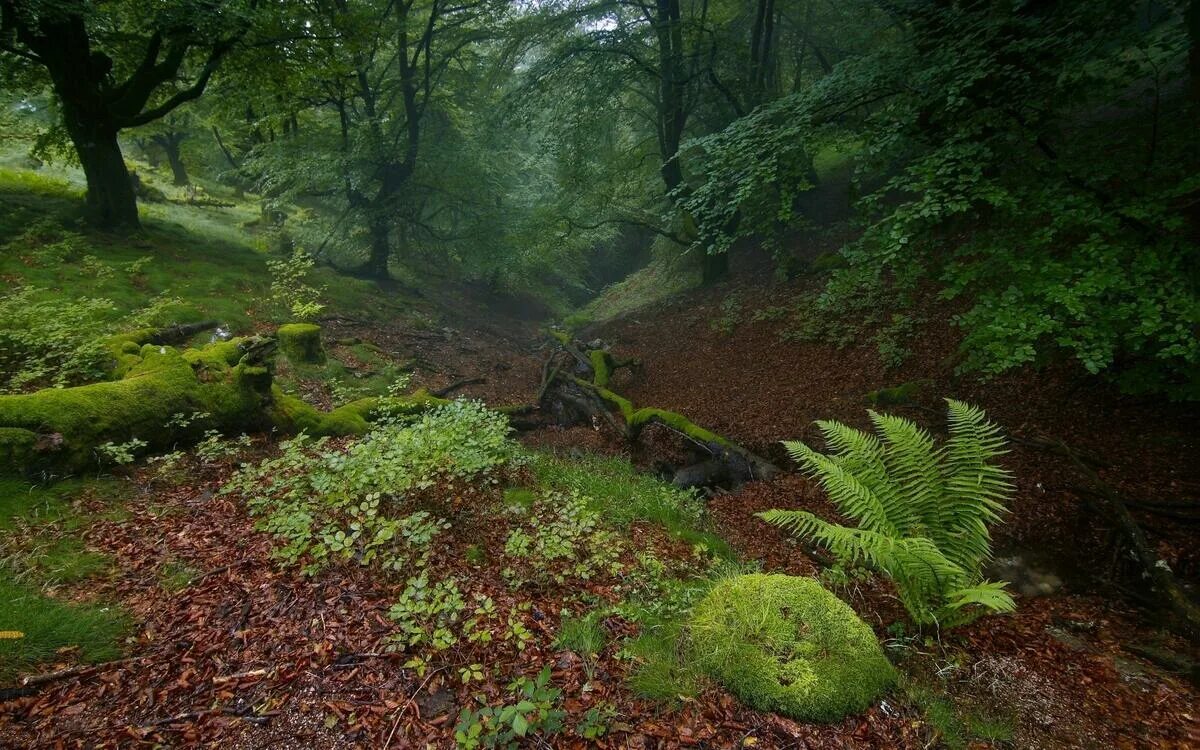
column 922, row 510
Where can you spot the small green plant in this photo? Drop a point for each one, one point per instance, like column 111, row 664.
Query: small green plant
column 923, row 511
column 596, row 721
column 427, row 613
column 892, row 340
column 534, row 712
column 290, row 289
column 565, row 540
column 324, row 503
column 729, row 314
column 119, row 454
column 214, row 448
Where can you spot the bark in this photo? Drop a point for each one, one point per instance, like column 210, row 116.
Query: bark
column 170, row 143
column 95, row 107
column 1192, row 20
column 376, row 266
column 111, row 203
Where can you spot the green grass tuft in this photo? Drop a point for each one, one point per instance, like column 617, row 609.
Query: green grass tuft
column 624, row 495
column 50, row 628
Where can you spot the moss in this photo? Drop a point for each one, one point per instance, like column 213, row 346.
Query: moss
column 161, row 384
column 601, row 367
column 901, row 395
column 678, row 422
column 292, row 414
column 124, row 351
column 16, row 446
column 560, row 336
column 301, row 343
column 785, row 644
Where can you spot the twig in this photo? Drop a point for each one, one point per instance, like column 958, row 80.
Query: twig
column 443, row 392
column 77, row 671
column 1186, row 611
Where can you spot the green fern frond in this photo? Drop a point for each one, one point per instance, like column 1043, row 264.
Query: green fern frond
column 922, row 510
column 913, row 464
column 852, row 497
column 990, row 595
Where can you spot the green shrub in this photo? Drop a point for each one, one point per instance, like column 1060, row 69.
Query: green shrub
column 324, row 502
column 923, row 511
column 51, row 342
column 290, row 288
column 785, row 644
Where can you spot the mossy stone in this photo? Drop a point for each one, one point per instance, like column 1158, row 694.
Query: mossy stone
column 786, row 644
column 301, row 343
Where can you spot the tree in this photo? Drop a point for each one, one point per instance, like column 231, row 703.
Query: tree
column 115, row 66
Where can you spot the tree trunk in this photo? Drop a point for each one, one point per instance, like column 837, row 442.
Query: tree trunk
column 111, row 203
column 376, row 266
column 175, row 159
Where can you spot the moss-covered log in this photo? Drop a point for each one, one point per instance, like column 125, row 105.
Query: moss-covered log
column 589, row 397
column 159, row 382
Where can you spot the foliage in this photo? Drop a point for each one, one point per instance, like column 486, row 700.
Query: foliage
column 1036, row 163
column 119, row 454
column 563, row 539
column 922, row 510
column 45, row 342
column 325, row 503
column 785, row 644
column 290, row 287
column 504, row 726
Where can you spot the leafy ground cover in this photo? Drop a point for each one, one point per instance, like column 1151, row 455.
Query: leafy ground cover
column 546, row 591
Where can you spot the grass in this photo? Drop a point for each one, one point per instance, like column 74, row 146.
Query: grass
column 658, row 281
column 40, row 547
column 40, row 630
column 25, row 503
column 583, row 635
column 624, row 495
column 955, row 725
column 202, row 256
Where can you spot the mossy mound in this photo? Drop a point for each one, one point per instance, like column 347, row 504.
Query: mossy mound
column 301, row 343
column 785, row 644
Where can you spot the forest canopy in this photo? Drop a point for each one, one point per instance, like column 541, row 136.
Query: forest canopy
column 1037, row 159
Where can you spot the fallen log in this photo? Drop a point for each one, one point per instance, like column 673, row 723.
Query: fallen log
column 586, row 397
column 1183, row 610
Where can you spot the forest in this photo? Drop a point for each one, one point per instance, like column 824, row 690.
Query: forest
column 600, row 373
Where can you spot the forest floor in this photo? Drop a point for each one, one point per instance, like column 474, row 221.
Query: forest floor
column 227, row 647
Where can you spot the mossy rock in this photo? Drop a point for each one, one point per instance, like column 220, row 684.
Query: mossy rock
column 16, row 446
column 301, row 343
column 786, row 644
